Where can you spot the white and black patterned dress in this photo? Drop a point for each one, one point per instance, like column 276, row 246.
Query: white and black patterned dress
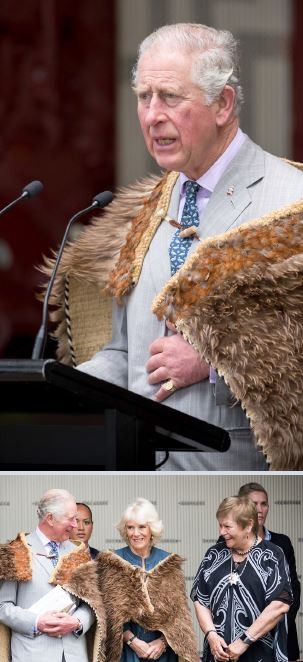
column 237, row 598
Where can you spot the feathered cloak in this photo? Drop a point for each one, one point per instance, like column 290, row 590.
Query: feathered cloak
column 154, row 599
column 238, row 299
column 16, row 565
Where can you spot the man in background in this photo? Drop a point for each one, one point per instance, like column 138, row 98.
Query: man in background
column 84, row 528
column 259, row 496
column 26, row 566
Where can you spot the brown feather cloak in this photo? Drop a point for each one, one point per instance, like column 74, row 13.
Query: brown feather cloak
column 238, row 299
column 155, row 599
column 16, row 565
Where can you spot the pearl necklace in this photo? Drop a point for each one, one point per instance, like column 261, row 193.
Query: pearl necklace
column 241, row 553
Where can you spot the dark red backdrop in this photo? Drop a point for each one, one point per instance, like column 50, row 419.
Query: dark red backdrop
column 57, row 106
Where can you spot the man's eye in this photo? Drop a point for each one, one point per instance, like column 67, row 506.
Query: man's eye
column 171, row 98
column 144, row 96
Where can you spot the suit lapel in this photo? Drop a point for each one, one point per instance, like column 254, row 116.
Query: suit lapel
column 66, row 547
column 231, row 195
column 224, row 210
column 39, row 553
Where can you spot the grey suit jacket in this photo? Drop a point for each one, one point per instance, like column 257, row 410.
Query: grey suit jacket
column 17, row 597
column 261, row 183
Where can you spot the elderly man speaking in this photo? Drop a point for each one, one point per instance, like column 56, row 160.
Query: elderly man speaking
column 168, row 241
column 27, row 565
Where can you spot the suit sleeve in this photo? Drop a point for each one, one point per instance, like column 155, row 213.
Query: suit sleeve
column 17, row 619
column 295, row 584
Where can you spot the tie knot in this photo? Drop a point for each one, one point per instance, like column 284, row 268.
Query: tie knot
column 191, row 187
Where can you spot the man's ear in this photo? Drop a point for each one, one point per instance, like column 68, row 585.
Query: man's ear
column 225, row 105
column 49, row 519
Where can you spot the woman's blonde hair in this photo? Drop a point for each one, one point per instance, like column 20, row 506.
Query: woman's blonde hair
column 141, row 511
column 242, row 509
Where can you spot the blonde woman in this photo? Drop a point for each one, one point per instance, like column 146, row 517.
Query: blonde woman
column 143, row 592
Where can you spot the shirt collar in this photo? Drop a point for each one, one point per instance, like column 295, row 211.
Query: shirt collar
column 43, row 538
column 211, row 177
column 267, row 534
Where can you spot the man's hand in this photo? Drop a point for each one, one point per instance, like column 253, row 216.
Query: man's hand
column 174, row 358
column 57, row 623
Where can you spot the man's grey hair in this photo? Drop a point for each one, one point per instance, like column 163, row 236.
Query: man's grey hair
column 54, row 502
column 215, row 62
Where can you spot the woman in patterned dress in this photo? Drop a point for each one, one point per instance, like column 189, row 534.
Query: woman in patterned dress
column 242, row 590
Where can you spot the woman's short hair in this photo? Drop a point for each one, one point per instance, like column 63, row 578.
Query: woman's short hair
column 141, row 511
column 215, row 57
column 241, row 508
column 55, row 502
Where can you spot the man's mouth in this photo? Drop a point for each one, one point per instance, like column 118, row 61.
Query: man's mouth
column 162, row 142
column 165, row 141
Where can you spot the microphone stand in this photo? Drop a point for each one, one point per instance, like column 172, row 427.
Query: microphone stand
column 100, row 200
column 29, row 191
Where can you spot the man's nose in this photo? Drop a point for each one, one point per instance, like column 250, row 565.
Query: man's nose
column 155, row 111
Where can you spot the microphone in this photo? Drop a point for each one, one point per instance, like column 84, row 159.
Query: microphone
column 29, row 191
column 100, row 200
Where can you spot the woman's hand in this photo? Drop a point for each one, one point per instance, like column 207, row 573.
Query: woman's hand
column 218, row 646
column 236, row 649
column 148, row 651
column 141, row 648
column 157, row 648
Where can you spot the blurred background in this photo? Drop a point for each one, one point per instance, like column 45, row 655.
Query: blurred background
column 68, row 116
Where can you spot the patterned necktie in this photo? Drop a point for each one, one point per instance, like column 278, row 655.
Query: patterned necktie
column 179, row 246
column 54, row 551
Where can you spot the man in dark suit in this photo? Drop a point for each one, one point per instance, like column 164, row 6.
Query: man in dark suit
column 84, row 528
column 259, row 496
